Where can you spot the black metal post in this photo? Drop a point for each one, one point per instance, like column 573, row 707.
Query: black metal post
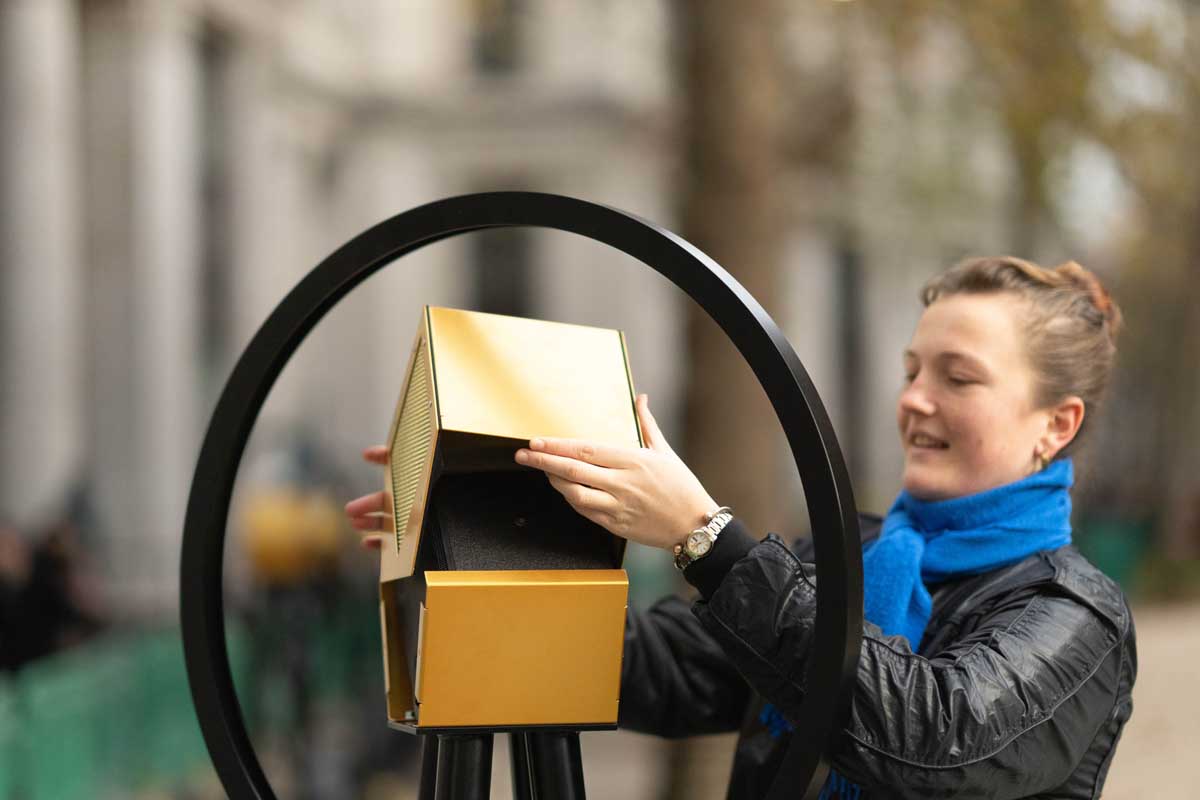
column 522, row 777
column 429, row 762
column 556, row 765
column 464, row 767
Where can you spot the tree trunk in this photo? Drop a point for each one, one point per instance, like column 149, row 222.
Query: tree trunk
column 729, row 73
column 731, row 210
column 1181, row 502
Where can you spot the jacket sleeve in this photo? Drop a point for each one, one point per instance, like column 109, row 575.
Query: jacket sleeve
column 675, row 678
column 1006, row 712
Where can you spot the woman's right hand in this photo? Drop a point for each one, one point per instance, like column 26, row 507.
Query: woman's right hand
column 366, row 513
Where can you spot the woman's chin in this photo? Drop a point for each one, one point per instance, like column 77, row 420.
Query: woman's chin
column 925, row 483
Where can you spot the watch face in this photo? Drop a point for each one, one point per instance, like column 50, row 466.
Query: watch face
column 698, row 544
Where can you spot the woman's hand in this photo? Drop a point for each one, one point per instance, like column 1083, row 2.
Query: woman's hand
column 647, row 495
column 366, row 513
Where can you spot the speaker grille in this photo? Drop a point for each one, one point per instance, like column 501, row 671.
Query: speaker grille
column 411, row 445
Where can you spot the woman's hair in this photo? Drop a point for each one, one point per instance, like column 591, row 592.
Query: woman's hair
column 1071, row 323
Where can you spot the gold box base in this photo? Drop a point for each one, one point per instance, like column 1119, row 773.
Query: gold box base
column 516, row 648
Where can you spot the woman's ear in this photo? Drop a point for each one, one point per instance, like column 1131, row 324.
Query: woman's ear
column 1061, row 426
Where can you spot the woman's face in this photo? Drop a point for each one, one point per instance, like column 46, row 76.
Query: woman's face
column 966, row 416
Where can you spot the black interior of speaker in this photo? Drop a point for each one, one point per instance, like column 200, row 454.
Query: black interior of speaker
column 460, row 452
column 512, row 520
column 499, row 521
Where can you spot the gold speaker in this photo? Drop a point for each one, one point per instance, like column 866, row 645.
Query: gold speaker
column 500, row 606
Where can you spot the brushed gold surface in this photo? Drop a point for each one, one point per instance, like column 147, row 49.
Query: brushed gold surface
column 502, row 648
column 519, row 378
column 522, row 647
column 397, row 684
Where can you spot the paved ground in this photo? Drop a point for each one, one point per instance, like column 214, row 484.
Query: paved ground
column 1156, row 757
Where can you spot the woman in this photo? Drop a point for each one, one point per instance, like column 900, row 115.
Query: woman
column 996, row 661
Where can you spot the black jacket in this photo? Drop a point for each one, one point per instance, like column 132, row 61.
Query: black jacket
column 1020, row 687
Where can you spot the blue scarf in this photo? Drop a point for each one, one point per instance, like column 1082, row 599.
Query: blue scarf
column 930, row 542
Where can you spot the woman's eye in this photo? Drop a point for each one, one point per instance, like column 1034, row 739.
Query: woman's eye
column 909, row 377
column 960, row 381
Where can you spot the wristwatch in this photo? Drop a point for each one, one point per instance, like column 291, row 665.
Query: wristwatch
column 700, row 541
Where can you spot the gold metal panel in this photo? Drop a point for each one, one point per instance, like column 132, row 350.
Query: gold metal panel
column 516, row 647
column 519, row 378
column 397, row 684
column 411, row 443
column 522, row 647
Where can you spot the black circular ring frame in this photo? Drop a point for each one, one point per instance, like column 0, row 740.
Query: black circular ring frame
column 810, row 435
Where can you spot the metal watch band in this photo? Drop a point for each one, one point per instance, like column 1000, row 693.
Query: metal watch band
column 717, row 520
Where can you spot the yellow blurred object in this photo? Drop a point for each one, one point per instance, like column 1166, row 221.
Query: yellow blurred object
column 291, row 536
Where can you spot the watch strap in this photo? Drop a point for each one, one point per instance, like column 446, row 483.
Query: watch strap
column 708, row 573
column 714, row 524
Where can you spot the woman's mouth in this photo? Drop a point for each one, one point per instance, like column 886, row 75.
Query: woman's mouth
column 925, row 442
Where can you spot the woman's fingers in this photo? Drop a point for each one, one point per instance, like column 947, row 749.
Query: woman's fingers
column 367, row 513
column 584, row 498
column 367, row 504
column 651, row 434
column 582, row 450
column 602, row 519
column 572, row 469
column 369, row 522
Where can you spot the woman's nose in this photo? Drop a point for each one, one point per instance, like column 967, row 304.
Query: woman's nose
column 914, row 399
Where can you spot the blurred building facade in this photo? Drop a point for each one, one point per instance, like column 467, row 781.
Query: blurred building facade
column 172, row 169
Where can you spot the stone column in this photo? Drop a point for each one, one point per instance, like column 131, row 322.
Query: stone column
column 41, row 378
column 166, row 254
column 264, row 191
column 144, row 214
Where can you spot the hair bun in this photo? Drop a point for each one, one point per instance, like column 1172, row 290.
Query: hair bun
column 1101, row 299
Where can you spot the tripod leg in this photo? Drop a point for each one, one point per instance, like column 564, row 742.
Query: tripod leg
column 429, row 762
column 464, row 767
column 522, row 778
column 557, row 765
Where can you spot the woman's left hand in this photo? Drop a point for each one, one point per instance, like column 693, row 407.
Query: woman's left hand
column 646, row 495
column 366, row 513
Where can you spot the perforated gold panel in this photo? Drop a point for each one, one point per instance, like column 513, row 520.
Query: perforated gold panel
column 410, row 446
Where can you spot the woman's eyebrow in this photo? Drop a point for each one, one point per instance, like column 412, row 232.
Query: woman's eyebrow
column 948, row 355
column 968, row 360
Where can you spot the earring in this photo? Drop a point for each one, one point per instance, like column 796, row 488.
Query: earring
column 1040, row 459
